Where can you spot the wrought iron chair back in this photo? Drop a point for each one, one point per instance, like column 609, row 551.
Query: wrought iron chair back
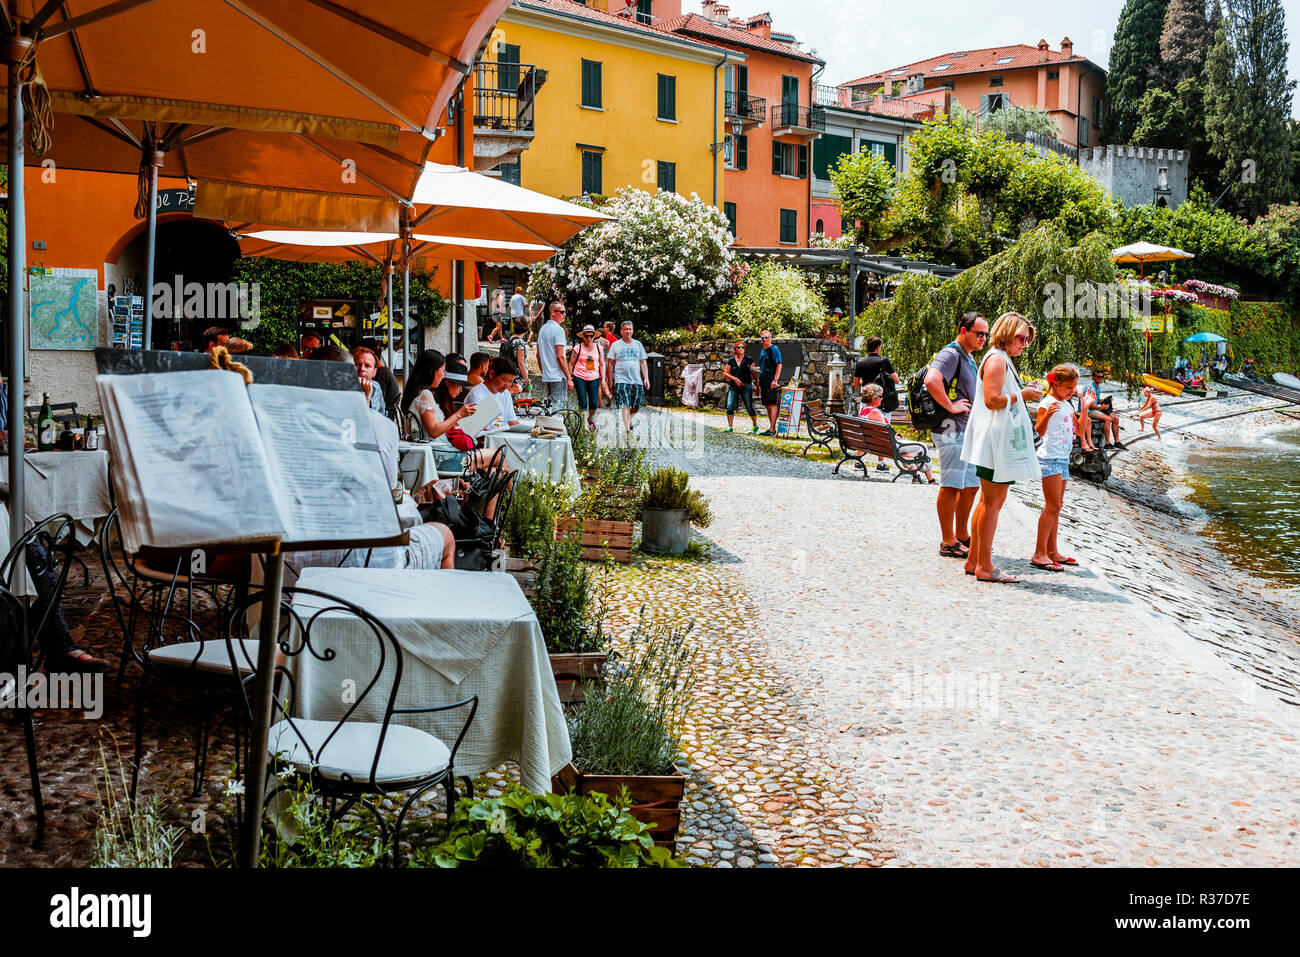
column 373, row 690
column 45, row 554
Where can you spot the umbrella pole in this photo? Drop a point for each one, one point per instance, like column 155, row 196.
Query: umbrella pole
column 406, row 318
column 146, row 341
column 390, row 315
column 268, row 629
column 17, row 311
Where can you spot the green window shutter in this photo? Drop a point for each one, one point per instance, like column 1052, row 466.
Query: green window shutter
column 742, row 152
column 789, row 226
column 591, row 83
column 667, row 97
column 803, row 162
column 777, row 156
column 591, row 162
column 729, row 210
column 821, row 157
column 667, row 176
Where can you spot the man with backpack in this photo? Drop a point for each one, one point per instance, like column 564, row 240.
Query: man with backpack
column 514, row 348
column 873, row 367
column 950, row 383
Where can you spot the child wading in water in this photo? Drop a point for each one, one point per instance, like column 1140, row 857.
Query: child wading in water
column 1055, row 423
column 872, row 394
column 1150, row 410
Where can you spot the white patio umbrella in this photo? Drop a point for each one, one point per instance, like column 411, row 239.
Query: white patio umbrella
column 1143, row 253
column 383, row 249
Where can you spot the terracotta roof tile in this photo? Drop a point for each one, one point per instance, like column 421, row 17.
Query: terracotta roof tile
column 1017, row 56
column 576, row 9
column 695, row 25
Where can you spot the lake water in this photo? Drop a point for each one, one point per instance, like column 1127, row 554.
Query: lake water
column 1251, row 498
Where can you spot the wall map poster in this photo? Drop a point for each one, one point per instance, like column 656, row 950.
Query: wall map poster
column 64, row 309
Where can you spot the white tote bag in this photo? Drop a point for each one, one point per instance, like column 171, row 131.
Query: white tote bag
column 1014, row 458
column 692, row 384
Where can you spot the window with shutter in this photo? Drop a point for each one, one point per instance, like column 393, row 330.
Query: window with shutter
column 778, row 156
column 508, row 67
column 729, row 210
column 591, row 172
column 803, row 162
column 789, row 226
column 667, row 97
column 591, row 83
column 742, row 152
column 511, row 173
column 667, row 178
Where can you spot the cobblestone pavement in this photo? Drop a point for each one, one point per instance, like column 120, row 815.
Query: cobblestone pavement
column 1057, row 722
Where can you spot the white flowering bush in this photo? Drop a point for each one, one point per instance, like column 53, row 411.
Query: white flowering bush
column 662, row 261
column 1223, row 292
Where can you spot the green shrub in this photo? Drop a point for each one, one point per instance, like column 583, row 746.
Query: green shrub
column 530, row 522
column 635, row 726
column 668, row 488
column 562, row 599
column 777, row 297
column 522, row 829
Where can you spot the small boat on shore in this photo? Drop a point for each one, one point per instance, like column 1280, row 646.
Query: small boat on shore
column 1283, row 379
column 1167, row 386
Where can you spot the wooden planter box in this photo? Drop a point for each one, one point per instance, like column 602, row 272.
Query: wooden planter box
column 599, row 537
column 524, row 571
column 574, row 672
column 656, row 799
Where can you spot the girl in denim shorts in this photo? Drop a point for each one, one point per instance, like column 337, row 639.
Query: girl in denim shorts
column 1056, row 424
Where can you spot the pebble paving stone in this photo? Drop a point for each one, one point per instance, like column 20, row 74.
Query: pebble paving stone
column 1069, row 720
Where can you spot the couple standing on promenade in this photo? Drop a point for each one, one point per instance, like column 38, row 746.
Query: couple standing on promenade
column 986, row 445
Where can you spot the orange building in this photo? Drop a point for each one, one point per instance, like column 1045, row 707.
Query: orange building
column 770, row 111
column 86, row 220
column 1071, row 88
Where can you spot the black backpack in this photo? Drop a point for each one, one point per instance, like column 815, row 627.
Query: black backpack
column 510, row 346
column 926, row 413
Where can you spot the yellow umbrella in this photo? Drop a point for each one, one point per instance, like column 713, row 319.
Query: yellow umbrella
column 1143, row 253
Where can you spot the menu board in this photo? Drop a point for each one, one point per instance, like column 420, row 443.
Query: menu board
column 790, row 411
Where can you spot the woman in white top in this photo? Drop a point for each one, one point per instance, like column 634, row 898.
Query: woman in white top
column 998, row 439
column 1055, row 423
column 418, row 399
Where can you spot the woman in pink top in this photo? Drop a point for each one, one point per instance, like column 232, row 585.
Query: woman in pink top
column 588, row 364
column 872, row 394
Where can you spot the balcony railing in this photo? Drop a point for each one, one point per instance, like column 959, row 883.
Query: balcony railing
column 795, row 116
column 504, row 95
column 746, row 107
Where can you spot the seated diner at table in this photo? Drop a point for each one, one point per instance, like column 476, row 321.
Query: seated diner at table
column 429, row 396
column 500, row 377
column 367, row 364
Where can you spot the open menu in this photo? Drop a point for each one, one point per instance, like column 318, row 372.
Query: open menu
column 200, row 458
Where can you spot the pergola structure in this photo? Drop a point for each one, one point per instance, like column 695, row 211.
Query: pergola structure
column 887, row 267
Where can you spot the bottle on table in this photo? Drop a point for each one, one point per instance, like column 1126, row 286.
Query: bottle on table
column 91, row 442
column 45, row 428
column 67, row 441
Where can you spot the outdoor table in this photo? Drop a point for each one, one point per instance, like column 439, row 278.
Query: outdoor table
column 461, row 633
column 71, row 482
column 417, row 466
column 549, row 458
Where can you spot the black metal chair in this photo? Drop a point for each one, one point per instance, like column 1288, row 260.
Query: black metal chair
column 15, row 662
column 491, row 489
column 347, row 748
column 45, row 553
column 155, row 604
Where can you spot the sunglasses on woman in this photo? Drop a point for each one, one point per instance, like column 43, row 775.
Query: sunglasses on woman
column 1024, row 340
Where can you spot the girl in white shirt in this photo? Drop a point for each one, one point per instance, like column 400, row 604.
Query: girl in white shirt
column 1055, row 423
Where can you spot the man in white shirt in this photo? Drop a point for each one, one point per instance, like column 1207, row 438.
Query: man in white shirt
column 518, row 314
column 557, row 378
column 501, row 375
column 629, row 374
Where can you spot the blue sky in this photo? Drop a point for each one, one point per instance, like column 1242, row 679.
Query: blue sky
column 857, row 37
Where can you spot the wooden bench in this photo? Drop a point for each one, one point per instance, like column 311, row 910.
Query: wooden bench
column 900, row 417
column 821, row 427
column 860, row 438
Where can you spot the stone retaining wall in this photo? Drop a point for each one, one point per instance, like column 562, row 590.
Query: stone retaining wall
column 713, row 355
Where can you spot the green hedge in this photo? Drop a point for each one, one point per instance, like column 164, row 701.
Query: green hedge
column 1268, row 332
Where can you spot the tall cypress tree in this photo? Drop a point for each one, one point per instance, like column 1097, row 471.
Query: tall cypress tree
column 1185, row 39
column 1248, row 104
column 1134, row 64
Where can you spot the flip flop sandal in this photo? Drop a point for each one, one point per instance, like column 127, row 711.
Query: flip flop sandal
column 1049, row 566
column 1000, row 578
column 964, row 542
column 953, row 551
column 1068, row 562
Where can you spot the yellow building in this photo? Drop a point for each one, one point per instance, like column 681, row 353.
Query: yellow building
column 623, row 103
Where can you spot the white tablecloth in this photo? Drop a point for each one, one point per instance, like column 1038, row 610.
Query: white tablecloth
column 71, row 482
column 417, row 466
column 461, row 633
column 550, row 458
